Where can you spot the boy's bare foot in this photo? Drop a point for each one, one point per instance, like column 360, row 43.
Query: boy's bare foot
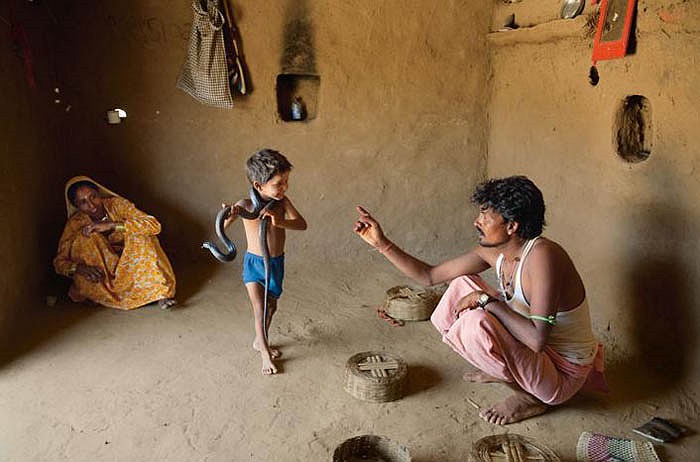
column 518, row 406
column 268, row 367
column 479, row 377
column 166, row 303
column 274, row 352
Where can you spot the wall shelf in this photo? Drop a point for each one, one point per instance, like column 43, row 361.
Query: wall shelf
column 301, row 87
column 548, row 31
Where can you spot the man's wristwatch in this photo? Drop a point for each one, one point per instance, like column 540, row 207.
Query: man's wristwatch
column 485, row 299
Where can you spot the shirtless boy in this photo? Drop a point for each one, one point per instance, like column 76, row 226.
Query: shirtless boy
column 268, row 172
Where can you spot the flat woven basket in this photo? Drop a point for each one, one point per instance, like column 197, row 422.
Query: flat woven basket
column 412, row 304
column 510, row 447
column 371, row 448
column 375, row 376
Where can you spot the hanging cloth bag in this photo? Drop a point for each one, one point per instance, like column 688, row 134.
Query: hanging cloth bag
column 204, row 75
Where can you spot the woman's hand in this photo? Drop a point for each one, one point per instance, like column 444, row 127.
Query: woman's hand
column 100, row 227
column 369, row 229
column 468, row 302
column 91, row 273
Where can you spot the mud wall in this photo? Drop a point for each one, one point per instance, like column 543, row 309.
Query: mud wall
column 31, row 164
column 631, row 227
column 399, row 116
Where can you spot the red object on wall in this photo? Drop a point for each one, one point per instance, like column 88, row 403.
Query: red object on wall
column 612, row 33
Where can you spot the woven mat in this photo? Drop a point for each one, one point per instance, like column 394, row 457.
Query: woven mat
column 596, row 447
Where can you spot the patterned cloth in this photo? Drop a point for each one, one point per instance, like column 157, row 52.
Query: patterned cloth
column 137, row 271
column 204, row 74
column 482, row 340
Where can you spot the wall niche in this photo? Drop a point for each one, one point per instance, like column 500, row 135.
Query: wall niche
column 632, row 129
column 297, row 96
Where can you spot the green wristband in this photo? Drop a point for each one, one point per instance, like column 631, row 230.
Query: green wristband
column 551, row 319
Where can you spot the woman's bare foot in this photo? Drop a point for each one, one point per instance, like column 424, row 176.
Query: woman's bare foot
column 274, row 352
column 518, row 406
column 479, row 377
column 166, row 303
column 268, row 367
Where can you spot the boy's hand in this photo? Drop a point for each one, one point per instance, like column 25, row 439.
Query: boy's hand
column 276, row 215
column 232, row 214
column 369, row 230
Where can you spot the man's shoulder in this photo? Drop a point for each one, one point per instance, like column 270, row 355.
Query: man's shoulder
column 548, row 251
column 545, row 245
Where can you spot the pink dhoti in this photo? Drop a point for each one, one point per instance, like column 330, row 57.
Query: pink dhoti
column 480, row 338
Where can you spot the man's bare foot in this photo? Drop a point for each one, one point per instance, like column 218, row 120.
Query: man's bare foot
column 518, row 406
column 268, row 367
column 274, row 352
column 166, row 303
column 479, row 377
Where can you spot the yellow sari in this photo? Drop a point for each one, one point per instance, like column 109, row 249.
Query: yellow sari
column 136, row 269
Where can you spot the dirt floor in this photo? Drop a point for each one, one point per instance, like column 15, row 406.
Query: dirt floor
column 103, row 385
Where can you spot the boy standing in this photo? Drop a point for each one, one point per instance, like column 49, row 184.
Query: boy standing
column 268, row 172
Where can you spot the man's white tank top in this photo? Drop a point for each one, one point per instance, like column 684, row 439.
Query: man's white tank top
column 572, row 336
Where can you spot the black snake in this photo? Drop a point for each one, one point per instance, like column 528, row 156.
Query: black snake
column 259, row 206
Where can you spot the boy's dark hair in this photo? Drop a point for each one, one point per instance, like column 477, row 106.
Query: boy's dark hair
column 72, row 189
column 265, row 164
column 516, row 198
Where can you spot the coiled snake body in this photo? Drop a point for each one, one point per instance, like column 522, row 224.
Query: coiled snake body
column 259, row 206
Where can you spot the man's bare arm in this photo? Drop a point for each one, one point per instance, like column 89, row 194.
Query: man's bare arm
column 542, row 280
column 423, row 273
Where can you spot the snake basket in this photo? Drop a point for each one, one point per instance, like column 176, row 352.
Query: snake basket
column 411, row 304
column 375, row 377
column 510, row 447
column 371, row 448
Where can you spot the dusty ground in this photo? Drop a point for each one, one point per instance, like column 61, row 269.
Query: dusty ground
column 102, row 385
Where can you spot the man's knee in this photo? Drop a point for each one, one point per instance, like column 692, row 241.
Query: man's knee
column 474, row 327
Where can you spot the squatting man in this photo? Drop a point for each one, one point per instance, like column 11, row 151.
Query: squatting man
column 534, row 332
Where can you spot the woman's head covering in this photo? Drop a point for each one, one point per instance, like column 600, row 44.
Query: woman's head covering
column 104, row 192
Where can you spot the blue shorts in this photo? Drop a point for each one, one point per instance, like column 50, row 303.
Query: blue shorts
column 254, row 271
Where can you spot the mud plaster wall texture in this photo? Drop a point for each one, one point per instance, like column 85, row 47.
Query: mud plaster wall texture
column 632, row 229
column 31, row 165
column 400, row 124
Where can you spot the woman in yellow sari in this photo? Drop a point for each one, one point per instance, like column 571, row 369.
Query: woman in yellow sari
column 110, row 250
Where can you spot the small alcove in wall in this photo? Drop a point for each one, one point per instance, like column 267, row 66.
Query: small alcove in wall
column 632, row 129
column 297, row 96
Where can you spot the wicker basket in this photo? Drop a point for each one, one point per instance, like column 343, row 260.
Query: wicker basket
column 371, row 448
column 375, row 377
column 411, row 304
column 510, row 447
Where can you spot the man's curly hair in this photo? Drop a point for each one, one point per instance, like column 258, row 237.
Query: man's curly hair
column 515, row 198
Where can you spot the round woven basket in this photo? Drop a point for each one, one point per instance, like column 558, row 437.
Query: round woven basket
column 371, row 448
column 375, row 377
column 411, row 304
column 510, row 447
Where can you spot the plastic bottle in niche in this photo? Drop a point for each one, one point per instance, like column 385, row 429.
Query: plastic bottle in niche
column 298, row 109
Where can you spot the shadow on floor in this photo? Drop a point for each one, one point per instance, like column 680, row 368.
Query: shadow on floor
column 421, row 378
column 38, row 324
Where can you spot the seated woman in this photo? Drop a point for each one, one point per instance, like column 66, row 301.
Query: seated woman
column 110, row 250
